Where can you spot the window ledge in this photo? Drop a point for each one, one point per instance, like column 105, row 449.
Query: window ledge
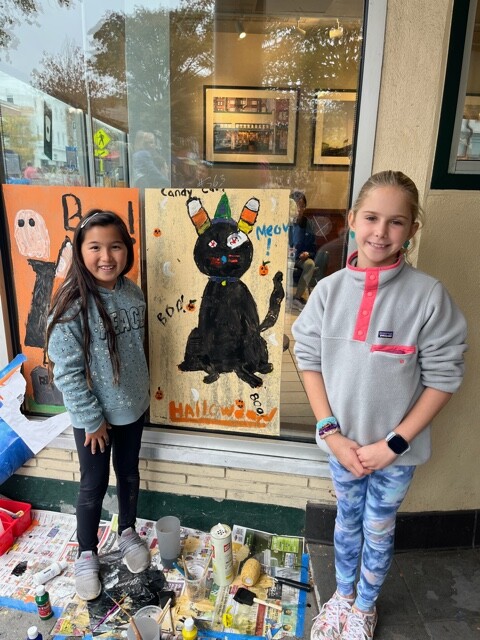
column 219, row 450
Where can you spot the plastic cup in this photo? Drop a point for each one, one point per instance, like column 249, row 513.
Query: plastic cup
column 195, row 581
column 148, row 628
column 168, row 539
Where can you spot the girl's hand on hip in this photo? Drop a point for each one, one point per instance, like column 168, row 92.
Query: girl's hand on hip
column 345, row 450
column 99, row 439
column 376, row 456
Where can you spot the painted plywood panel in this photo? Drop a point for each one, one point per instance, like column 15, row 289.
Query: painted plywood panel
column 215, row 271
column 41, row 222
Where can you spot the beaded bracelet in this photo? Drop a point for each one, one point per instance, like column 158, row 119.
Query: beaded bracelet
column 327, row 427
column 330, row 432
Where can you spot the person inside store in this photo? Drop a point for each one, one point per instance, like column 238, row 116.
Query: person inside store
column 302, row 239
column 149, row 168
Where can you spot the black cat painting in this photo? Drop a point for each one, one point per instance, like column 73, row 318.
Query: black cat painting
column 228, row 336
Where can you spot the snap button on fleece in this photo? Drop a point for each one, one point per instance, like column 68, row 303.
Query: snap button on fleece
column 369, row 294
column 360, row 333
column 364, row 312
column 373, row 276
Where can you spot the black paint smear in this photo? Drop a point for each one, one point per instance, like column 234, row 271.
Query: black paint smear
column 42, row 292
column 19, row 569
column 141, row 589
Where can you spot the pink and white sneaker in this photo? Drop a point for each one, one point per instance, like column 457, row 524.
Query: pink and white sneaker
column 329, row 623
column 359, row 625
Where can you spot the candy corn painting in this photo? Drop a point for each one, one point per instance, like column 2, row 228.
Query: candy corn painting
column 216, row 287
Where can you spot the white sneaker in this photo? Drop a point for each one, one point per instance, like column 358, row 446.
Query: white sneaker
column 134, row 551
column 359, row 625
column 329, row 623
column 87, row 580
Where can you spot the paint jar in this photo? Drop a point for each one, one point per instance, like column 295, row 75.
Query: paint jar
column 42, row 600
column 148, row 629
column 34, row 634
column 189, row 630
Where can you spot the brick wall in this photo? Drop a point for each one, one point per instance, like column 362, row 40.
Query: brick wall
column 197, row 480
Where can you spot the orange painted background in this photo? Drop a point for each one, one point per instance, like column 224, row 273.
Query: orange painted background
column 41, row 221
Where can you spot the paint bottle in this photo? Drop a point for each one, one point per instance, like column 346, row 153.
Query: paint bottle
column 42, row 600
column 189, row 630
column 222, row 558
column 50, row 572
column 34, row 634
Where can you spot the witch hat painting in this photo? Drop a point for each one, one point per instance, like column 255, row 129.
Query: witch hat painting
column 228, row 336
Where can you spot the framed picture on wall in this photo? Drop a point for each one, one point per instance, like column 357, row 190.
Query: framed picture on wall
column 245, row 125
column 334, row 121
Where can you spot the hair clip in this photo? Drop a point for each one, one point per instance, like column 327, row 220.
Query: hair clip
column 87, row 220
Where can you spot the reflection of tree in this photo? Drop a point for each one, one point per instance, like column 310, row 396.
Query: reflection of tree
column 17, row 131
column 14, row 13
column 63, row 75
column 137, row 50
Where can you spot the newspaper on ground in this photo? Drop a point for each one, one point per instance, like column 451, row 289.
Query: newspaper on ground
column 52, row 537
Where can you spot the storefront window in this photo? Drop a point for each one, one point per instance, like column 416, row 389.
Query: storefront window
column 199, row 93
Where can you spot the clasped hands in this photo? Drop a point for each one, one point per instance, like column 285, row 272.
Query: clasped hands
column 360, row 461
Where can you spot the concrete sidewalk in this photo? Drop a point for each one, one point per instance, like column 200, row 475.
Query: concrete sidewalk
column 428, row 595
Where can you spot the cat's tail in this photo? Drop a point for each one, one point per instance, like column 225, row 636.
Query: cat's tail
column 276, row 297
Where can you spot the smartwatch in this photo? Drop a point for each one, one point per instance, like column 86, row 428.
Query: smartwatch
column 397, row 444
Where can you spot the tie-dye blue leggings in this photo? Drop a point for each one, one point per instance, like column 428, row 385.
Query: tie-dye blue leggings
column 365, row 526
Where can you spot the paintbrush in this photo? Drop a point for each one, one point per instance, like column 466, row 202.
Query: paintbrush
column 185, row 568
column 108, row 614
column 303, row 586
column 138, row 635
column 244, row 596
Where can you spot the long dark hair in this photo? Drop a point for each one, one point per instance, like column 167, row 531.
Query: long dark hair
column 71, row 298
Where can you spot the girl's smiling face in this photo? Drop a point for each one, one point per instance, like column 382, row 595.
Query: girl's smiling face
column 104, row 254
column 382, row 224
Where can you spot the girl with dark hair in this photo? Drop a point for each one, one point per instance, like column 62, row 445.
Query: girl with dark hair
column 96, row 355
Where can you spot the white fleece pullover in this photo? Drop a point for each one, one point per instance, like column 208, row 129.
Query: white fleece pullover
column 380, row 336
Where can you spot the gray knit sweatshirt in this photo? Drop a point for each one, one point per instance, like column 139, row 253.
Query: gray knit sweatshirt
column 380, row 336
column 117, row 404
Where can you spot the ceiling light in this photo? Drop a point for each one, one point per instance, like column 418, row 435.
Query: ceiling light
column 336, row 32
column 240, row 30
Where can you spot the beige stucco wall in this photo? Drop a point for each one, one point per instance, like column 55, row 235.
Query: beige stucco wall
column 411, row 92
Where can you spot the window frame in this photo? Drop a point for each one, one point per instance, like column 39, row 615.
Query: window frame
column 246, row 452
column 459, row 50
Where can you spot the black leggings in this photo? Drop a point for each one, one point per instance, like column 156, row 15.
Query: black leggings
column 124, row 443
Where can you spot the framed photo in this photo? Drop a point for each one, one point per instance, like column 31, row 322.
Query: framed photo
column 334, row 127
column 245, row 125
